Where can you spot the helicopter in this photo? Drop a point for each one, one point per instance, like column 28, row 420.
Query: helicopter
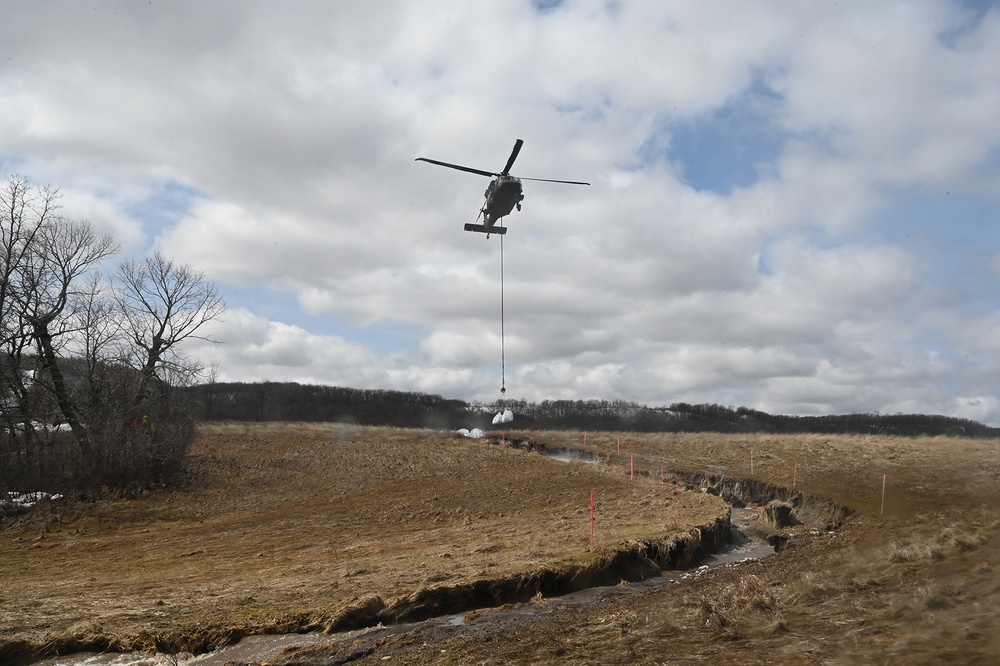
column 502, row 195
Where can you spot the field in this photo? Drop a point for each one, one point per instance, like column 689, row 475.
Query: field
column 292, row 527
column 917, row 583
column 295, row 527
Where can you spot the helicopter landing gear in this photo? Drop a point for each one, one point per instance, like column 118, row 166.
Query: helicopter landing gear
column 519, row 205
column 482, row 228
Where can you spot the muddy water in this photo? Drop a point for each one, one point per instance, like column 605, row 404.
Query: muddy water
column 746, row 545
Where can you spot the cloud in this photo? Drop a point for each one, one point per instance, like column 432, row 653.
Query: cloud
column 250, row 348
column 775, row 214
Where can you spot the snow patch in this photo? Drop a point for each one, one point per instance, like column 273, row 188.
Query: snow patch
column 24, row 500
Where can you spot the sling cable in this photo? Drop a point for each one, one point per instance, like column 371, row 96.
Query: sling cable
column 504, row 415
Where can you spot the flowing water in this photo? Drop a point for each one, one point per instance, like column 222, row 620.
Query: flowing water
column 571, row 455
column 251, row 648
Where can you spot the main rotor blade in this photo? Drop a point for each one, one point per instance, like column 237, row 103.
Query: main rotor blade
column 459, row 167
column 513, row 156
column 549, row 180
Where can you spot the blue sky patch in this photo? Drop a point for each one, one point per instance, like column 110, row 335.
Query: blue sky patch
column 546, row 6
column 164, row 207
column 383, row 338
column 732, row 147
column 975, row 11
column 959, row 231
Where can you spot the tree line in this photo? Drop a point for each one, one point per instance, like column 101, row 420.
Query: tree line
column 290, row 401
column 89, row 363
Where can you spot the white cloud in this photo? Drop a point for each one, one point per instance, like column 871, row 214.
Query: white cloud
column 250, row 348
column 290, row 133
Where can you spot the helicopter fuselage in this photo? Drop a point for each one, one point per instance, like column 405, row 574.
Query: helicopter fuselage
column 503, row 193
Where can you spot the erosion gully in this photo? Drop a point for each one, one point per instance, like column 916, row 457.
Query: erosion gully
column 727, row 545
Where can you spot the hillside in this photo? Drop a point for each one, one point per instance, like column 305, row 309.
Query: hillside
column 289, row 401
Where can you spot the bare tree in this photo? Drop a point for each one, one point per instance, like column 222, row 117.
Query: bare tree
column 211, row 382
column 164, row 305
column 77, row 349
column 103, row 377
column 65, row 251
column 23, row 213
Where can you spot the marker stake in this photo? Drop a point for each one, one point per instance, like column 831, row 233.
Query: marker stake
column 592, row 512
column 677, row 491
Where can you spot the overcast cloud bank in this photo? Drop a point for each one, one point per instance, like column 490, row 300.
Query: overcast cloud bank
column 793, row 207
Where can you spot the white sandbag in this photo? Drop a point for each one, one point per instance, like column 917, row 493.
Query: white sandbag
column 506, row 416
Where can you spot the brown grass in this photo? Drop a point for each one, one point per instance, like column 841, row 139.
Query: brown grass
column 290, row 526
column 291, row 523
column 917, row 584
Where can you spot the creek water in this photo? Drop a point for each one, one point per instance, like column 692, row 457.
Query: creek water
column 251, row 648
column 746, row 545
column 570, row 455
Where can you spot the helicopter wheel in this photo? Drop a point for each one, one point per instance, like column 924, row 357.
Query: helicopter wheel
column 519, row 205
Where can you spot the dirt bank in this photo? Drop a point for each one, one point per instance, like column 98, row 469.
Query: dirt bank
column 634, row 560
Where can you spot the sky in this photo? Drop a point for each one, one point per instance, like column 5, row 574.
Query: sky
column 793, row 207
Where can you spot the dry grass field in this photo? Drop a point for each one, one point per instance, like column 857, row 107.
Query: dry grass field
column 915, row 583
column 286, row 527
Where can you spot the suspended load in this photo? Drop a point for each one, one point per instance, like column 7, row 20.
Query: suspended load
column 503, row 416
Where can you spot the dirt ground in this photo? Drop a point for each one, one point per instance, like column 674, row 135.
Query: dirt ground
column 288, row 527
column 285, row 527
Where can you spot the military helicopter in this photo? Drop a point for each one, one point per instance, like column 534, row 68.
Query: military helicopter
column 502, row 195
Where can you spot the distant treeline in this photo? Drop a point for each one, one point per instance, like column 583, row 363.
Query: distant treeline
column 289, row 401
